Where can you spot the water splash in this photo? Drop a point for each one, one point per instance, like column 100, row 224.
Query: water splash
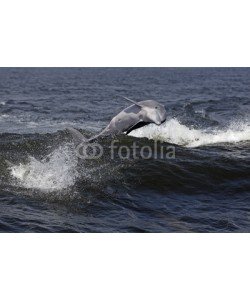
column 56, row 171
column 172, row 131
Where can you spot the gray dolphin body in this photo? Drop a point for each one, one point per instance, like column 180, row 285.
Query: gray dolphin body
column 139, row 113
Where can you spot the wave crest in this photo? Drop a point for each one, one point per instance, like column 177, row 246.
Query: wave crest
column 172, row 131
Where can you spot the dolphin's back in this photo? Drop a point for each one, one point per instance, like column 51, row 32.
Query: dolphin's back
column 126, row 119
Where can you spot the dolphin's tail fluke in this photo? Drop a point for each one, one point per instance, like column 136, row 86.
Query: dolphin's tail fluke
column 77, row 135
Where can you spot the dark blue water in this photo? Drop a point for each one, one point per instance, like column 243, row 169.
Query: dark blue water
column 45, row 187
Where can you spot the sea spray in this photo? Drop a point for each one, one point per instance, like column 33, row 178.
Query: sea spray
column 172, row 131
column 54, row 172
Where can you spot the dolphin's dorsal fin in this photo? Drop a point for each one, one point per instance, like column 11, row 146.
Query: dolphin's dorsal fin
column 132, row 101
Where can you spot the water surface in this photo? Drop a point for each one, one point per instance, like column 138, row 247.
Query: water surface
column 44, row 187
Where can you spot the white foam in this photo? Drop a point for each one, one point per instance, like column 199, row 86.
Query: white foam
column 174, row 132
column 54, row 172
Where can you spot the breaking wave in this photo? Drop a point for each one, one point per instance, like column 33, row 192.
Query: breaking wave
column 172, row 131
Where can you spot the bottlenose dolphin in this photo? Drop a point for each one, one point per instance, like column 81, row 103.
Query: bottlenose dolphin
column 136, row 115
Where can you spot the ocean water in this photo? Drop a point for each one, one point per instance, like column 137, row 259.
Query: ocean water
column 45, row 187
